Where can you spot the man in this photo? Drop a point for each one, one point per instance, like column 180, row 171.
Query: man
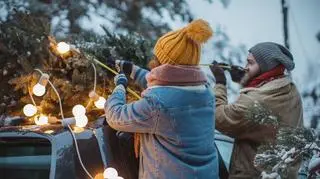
column 264, row 82
column 174, row 117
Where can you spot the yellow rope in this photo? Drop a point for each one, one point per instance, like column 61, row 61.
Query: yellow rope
column 114, row 72
column 222, row 66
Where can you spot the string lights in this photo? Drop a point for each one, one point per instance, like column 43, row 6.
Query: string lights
column 41, row 120
column 111, row 173
column 79, row 111
column 40, row 88
column 29, row 110
column 63, row 47
column 98, row 100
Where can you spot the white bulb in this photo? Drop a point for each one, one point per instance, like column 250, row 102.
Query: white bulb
column 78, row 110
column 29, row 110
column 110, row 173
column 100, row 103
column 119, row 177
column 81, row 121
column 39, row 90
column 42, row 120
column 63, row 47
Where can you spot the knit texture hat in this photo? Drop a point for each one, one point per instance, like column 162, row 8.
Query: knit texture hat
column 269, row 55
column 183, row 47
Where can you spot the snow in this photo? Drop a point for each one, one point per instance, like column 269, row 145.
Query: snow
column 314, row 162
column 312, row 146
column 288, row 160
column 273, row 175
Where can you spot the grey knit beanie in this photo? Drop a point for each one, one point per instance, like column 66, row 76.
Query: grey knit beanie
column 269, row 55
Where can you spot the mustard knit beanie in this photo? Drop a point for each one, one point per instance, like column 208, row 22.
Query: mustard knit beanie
column 183, row 47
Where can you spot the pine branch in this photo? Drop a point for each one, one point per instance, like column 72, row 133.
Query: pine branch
column 71, row 73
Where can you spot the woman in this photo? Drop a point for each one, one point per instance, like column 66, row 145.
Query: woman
column 174, row 116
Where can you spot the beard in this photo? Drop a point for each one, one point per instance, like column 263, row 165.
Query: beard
column 245, row 80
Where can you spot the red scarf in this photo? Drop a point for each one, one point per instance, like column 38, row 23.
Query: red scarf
column 266, row 77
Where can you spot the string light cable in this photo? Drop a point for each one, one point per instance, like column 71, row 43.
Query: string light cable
column 55, row 90
column 71, row 131
column 95, row 77
column 30, row 94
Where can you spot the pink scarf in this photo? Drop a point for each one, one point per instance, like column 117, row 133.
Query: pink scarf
column 176, row 75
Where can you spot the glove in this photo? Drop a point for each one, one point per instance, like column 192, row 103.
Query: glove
column 124, row 66
column 121, row 66
column 237, row 73
column 121, row 79
column 111, row 63
column 218, row 73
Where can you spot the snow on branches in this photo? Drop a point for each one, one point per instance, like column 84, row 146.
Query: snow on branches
column 26, row 45
column 291, row 146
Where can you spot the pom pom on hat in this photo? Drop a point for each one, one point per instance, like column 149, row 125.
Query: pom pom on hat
column 183, row 46
column 199, row 31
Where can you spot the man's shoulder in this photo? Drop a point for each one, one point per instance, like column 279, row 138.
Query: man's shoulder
column 270, row 86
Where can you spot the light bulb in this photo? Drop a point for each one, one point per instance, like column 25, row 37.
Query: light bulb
column 100, row 102
column 42, row 120
column 81, row 121
column 49, row 131
column 99, row 176
column 78, row 110
column 110, row 173
column 119, row 177
column 63, row 47
column 29, row 110
column 39, row 90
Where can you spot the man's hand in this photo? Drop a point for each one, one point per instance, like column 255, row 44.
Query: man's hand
column 218, row 73
column 121, row 79
column 237, row 73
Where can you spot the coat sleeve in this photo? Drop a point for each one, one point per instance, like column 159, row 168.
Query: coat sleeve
column 139, row 116
column 231, row 118
column 139, row 76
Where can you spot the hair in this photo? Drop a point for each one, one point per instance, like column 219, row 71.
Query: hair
column 153, row 63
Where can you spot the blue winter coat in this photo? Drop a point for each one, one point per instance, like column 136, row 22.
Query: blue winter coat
column 176, row 125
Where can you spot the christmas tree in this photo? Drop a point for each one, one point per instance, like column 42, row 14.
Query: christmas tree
column 48, row 83
column 29, row 54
